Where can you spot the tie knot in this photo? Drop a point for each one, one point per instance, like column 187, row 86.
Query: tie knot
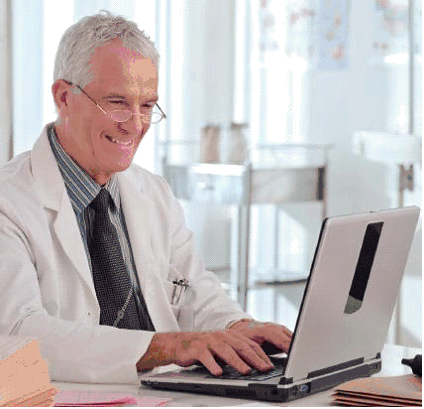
column 101, row 202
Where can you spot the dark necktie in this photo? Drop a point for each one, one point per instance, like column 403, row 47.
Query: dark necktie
column 112, row 283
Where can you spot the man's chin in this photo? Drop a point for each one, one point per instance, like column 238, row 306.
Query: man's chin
column 121, row 167
column 119, row 163
column 103, row 176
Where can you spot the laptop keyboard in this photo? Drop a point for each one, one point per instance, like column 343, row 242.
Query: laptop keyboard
column 255, row 375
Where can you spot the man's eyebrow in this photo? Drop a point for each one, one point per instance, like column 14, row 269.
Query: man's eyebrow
column 119, row 96
column 114, row 95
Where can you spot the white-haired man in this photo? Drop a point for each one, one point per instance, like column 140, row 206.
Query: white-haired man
column 92, row 248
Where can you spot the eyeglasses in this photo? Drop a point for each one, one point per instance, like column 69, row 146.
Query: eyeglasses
column 122, row 115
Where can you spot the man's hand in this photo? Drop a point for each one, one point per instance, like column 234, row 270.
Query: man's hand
column 273, row 338
column 188, row 348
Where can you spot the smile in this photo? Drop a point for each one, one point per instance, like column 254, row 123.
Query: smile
column 116, row 141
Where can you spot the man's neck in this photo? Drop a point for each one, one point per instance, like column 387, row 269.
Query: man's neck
column 101, row 178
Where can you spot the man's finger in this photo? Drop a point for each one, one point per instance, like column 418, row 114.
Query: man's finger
column 270, row 349
column 209, row 362
column 247, row 352
column 287, row 331
column 256, row 357
column 256, row 348
column 277, row 338
column 278, row 327
column 259, row 350
column 228, row 353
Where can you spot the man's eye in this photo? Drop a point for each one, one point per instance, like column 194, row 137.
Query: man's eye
column 117, row 101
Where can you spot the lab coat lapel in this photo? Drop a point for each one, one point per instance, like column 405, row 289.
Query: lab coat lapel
column 69, row 236
column 138, row 209
column 54, row 197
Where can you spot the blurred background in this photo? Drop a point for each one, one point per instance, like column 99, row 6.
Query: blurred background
column 279, row 113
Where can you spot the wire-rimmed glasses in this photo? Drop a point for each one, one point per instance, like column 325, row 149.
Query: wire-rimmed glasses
column 123, row 115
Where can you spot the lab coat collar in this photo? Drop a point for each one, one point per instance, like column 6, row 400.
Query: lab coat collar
column 53, row 196
column 46, row 173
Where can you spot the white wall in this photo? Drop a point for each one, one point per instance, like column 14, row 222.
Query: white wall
column 367, row 97
column 6, row 112
column 336, row 103
column 199, row 90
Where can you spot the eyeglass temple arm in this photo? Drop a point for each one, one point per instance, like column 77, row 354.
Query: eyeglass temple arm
column 160, row 109
column 76, row 85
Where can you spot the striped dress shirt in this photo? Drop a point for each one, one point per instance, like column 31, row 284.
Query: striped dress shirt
column 82, row 189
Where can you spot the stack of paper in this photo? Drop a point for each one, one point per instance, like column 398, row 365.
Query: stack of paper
column 403, row 390
column 24, row 377
column 93, row 398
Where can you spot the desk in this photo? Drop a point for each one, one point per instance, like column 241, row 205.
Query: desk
column 391, row 366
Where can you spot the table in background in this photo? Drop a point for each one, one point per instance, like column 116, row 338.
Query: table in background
column 275, row 174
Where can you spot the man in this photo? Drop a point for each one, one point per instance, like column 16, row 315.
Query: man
column 95, row 258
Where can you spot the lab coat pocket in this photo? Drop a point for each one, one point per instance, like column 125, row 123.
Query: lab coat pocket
column 178, row 292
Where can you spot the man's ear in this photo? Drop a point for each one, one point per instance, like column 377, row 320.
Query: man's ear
column 60, row 91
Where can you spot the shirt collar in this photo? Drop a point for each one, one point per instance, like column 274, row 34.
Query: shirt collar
column 82, row 189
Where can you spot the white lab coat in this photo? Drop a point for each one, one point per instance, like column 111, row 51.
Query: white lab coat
column 46, row 287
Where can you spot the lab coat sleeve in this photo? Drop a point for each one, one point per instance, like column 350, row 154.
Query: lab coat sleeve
column 75, row 351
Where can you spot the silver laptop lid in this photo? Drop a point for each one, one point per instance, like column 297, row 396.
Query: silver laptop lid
column 352, row 289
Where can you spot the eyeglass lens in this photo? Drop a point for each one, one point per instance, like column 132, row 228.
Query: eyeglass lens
column 124, row 116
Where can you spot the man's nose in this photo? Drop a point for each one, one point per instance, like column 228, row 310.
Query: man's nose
column 134, row 125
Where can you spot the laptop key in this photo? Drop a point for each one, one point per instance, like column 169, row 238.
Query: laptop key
column 230, row 373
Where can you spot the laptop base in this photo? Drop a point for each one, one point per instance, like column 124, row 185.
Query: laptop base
column 273, row 392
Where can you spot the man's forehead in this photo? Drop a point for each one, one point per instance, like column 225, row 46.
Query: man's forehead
column 114, row 59
column 114, row 51
column 117, row 47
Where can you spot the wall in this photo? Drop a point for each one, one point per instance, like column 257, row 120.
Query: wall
column 198, row 70
column 336, row 103
column 368, row 97
column 6, row 112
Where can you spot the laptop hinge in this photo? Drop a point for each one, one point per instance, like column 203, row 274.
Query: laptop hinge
column 338, row 367
column 285, row 381
column 335, row 368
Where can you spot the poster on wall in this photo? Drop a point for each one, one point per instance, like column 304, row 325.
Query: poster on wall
column 288, row 31
column 332, row 30
column 390, row 36
column 301, row 30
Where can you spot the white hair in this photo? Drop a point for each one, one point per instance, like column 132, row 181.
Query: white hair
column 80, row 40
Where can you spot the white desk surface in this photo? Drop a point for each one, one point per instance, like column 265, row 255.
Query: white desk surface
column 391, row 366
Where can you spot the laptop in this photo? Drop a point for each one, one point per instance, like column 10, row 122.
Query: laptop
column 343, row 320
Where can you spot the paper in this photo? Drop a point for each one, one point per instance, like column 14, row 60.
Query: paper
column 405, row 390
column 97, row 398
column 44, row 398
column 24, row 377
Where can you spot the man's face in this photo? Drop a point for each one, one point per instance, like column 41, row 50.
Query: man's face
column 122, row 80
